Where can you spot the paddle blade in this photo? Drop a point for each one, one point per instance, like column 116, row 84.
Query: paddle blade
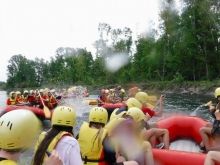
column 209, row 103
column 93, row 103
column 152, row 98
column 46, row 112
column 150, row 105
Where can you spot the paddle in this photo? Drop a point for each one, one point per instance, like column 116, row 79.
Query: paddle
column 208, row 103
column 46, row 109
column 150, row 105
column 94, row 103
column 158, row 102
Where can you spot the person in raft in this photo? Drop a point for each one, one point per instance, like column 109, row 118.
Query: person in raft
column 212, row 156
column 102, row 97
column 93, row 141
column 206, row 131
column 19, row 136
column 12, row 100
column 148, row 134
column 129, row 132
column 60, row 138
column 142, row 97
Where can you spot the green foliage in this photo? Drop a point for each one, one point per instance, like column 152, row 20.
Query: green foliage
column 178, row 78
column 185, row 47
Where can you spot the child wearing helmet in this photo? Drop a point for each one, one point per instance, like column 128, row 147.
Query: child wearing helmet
column 12, row 100
column 148, row 134
column 19, row 97
column 93, row 141
column 205, row 131
column 126, row 131
column 102, row 97
column 59, row 137
column 212, row 156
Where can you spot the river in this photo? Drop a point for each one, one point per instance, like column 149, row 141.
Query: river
column 174, row 104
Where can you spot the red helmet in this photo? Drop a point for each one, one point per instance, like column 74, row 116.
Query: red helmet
column 119, row 87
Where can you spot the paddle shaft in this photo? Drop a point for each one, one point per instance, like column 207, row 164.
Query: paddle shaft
column 42, row 100
column 158, row 102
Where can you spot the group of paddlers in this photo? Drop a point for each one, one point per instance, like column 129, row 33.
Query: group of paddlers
column 36, row 98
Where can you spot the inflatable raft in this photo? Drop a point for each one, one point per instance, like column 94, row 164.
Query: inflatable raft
column 184, row 135
column 37, row 111
column 111, row 107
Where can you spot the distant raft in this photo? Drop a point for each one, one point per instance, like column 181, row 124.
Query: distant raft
column 37, row 111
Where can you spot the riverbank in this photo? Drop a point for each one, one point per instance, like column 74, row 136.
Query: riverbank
column 186, row 87
column 191, row 88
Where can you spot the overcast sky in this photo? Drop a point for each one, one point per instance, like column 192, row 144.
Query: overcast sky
column 36, row 28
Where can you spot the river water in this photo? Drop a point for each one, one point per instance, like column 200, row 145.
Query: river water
column 174, row 104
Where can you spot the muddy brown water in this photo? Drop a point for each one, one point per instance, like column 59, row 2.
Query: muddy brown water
column 174, row 104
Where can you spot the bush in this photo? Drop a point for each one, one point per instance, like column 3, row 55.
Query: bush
column 178, row 78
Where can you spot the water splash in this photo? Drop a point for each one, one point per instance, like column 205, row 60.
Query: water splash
column 195, row 111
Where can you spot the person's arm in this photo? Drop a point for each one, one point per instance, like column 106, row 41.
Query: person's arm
column 160, row 110
column 54, row 159
column 8, row 101
column 74, row 155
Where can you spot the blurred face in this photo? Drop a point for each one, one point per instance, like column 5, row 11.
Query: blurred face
column 13, row 95
column 49, row 94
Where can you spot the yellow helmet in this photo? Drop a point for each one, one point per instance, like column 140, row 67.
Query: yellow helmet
column 18, row 92
column 46, row 90
column 41, row 90
column 136, row 114
column 132, row 102
column 114, row 115
column 107, row 91
column 25, row 91
column 113, row 124
column 98, row 115
column 64, row 116
column 141, row 97
column 10, row 94
column 53, row 90
column 217, row 92
column 122, row 91
column 15, row 131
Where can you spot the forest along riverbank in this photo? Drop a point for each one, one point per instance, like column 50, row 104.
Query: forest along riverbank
column 191, row 88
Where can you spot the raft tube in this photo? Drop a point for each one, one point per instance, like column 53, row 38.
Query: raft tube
column 37, row 111
column 181, row 127
column 111, row 107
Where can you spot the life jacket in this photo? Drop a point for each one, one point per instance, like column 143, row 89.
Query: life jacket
column 4, row 161
column 217, row 106
column 25, row 98
column 21, row 98
column 103, row 98
column 12, row 101
column 37, row 98
column 53, row 143
column 91, row 148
